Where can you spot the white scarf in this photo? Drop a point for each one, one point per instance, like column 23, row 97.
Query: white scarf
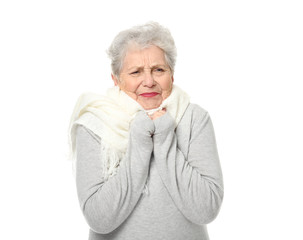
column 110, row 116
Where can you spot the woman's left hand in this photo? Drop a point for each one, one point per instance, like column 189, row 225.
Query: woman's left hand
column 158, row 114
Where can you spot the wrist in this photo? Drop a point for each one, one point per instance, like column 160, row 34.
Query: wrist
column 164, row 125
column 142, row 125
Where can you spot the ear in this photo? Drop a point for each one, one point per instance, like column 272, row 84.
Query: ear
column 114, row 78
column 172, row 78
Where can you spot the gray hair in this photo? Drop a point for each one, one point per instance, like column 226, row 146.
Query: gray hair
column 144, row 36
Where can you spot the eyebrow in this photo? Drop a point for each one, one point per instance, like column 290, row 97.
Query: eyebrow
column 153, row 66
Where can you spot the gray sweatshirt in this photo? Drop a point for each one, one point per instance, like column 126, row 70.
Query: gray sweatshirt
column 181, row 167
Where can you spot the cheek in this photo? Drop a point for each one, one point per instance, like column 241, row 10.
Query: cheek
column 166, row 87
column 166, row 84
column 129, row 85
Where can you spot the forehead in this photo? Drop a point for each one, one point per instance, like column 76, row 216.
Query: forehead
column 136, row 57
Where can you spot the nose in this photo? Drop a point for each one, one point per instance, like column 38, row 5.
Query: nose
column 148, row 80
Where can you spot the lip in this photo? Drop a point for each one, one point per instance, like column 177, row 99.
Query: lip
column 149, row 94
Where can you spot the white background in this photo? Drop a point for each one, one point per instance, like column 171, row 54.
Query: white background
column 240, row 60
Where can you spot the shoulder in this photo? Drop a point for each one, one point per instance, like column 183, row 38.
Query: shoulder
column 195, row 118
column 83, row 134
column 195, row 112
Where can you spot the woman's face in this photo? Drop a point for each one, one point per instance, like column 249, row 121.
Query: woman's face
column 145, row 76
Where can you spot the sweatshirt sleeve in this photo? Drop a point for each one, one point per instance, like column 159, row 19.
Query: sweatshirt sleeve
column 106, row 204
column 194, row 182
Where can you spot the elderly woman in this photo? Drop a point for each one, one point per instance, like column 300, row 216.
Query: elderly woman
column 147, row 165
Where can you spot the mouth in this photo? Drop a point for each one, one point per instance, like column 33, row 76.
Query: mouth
column 149, row 94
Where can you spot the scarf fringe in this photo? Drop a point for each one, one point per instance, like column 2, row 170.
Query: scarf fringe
column 111, row 161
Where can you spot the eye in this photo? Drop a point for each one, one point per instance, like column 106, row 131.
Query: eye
column 159, row 70
column 135, row 72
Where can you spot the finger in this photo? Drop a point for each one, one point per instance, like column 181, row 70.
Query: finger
column 157, row 115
